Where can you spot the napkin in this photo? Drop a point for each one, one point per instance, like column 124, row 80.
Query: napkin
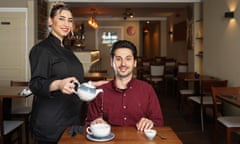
column 75, row 129
column 25, row 92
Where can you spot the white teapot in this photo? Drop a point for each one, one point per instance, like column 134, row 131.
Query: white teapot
column 86, row 91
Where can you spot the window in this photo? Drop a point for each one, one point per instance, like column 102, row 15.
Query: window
column 109, row 37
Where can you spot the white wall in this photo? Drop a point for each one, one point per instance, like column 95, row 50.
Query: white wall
column 221, row 41
column 222, row 44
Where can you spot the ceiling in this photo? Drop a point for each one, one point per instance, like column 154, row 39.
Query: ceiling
column 115, row 9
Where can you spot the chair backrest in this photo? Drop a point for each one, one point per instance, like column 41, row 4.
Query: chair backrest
column 170, row 67
column 139, row 60
column 170, row 62
column 182, row 67
column 160, row 59
column 18, row 83
column 181, row 84
column 206, row 86
column 222, row 91
column 157, row 70
column 146, row 62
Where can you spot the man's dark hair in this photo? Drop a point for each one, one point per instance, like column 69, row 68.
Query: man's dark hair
column 123, row 44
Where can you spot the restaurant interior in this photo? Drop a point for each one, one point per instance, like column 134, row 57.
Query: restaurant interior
column 185, row 47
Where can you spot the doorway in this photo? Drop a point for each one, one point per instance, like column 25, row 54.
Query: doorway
column 151, row 39
column 14, row 51
column 105, row 37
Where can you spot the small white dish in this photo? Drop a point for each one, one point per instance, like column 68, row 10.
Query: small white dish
column 150, row 133
column 102, row 139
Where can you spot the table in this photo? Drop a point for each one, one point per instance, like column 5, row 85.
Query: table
column 232, row 99
column 125, row 135
column 6, row 94
column 197, row 82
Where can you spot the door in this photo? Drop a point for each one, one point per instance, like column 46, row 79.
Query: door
column 14, row 53
column 13, row 47
column 106, row 36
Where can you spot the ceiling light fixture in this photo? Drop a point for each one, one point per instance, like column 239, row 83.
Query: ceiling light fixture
column 146, row 28
column 92, row 19
column 128, row 14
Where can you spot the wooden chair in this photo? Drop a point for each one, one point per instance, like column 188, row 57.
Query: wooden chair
column 204, row 100
column 170, row 67
column 156, row 76
column 144, row 70
column 23, row 112
column 8, row 128
column 230, row 123
column 183, row 90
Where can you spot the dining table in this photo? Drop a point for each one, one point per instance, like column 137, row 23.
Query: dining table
column 233, row 99
column 123, row 135
column 6, row 95
column 197, row 81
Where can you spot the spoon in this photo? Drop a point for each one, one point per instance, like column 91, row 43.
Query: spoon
column 162, row 137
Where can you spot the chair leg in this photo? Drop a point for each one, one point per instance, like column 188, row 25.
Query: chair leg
column 182, row 102
column 26, row 119
column 202, row 119
column 228, row 136
column 215, row 133
column 190, row 110
column 181, row 105
column 20, row 135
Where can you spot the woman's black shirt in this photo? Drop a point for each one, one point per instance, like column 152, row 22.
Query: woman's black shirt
column 53, row 111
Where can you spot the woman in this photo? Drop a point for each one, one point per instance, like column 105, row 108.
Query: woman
column 54, row 68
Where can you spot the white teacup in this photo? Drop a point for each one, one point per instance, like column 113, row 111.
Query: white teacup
column 150, row 133
column 99, row 130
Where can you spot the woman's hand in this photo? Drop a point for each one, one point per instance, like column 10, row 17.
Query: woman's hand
column 66, row 85
column 98, row 83
column 144, row 123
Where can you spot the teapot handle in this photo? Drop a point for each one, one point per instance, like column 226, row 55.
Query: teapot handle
column 77, row 85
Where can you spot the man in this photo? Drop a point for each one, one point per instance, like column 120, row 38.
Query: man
column 126, row 101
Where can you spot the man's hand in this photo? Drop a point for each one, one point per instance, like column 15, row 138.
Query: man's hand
column 144, row 123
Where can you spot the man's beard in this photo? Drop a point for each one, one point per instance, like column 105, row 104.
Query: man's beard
column 123, row 76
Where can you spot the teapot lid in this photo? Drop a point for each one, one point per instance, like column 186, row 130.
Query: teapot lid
column 88, row 85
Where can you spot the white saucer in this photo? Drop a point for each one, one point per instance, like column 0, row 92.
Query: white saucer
column 103, row 139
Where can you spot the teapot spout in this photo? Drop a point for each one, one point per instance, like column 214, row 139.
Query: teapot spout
column 98, row 91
